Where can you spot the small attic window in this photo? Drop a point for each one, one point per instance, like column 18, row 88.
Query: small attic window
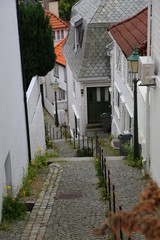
column 79, row 31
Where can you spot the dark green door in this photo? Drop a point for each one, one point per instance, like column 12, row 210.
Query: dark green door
column 98, row 101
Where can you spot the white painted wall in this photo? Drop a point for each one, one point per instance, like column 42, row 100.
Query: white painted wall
column 13, row 137
column 119, row 83
column 36, row 118
column 155, row 96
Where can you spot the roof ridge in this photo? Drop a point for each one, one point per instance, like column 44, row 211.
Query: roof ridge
column 128, row 19
column 47, row 11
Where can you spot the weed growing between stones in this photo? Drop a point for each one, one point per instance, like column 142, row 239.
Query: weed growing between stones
column 13, row 209
column 129, row 159
column 101, row 183
column 84, row 152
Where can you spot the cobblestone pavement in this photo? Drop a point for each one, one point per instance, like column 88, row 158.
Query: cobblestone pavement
column 78, row 207
column 128, row 182
column 70, row 205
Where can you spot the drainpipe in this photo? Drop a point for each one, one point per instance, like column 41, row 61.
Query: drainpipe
column 147, row 151
column 23, row 83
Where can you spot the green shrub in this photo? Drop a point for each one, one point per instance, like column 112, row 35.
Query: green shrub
column 13, row 208
column 84, row 152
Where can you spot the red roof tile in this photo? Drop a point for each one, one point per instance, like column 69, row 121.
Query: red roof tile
column 55, row 21
column 130, row 32
column 58, row 51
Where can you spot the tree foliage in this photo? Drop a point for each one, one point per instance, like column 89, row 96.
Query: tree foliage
column 65, row 7
column 37, row 40
column 144, row 218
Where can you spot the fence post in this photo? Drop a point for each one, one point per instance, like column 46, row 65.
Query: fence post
column 74, row 138
column 100, row 151
column 96, row 145
column 121, row 234
column 50, row 130
column 53, row 132
column 65, row 127
column 92, row 145
column 70, row 138
column 83, row 142
column 79, row 141
column 102, row 160
column 105, row 177
column 114, row 204
column 61, row 131
column 57, row 135
column 87, row 142
column 109, row 190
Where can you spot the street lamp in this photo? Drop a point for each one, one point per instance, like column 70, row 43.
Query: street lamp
column 55, row 87
column 133, row 68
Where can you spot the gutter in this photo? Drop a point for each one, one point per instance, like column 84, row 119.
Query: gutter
column 23, row 83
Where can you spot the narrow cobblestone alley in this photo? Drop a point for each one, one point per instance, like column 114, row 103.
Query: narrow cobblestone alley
column 70, row 204
column 78, row 206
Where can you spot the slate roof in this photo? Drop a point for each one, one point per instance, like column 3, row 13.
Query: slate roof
column 58, row 51
column 130, row 32
column 55, row 21
column 91, row 60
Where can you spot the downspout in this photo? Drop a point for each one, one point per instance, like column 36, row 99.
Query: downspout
column 147, row 152
column 23, row 83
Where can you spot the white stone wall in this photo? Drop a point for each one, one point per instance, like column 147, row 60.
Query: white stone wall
column 155, row 97
column 13, row 137
column 36, row 118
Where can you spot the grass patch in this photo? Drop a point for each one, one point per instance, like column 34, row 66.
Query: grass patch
column 129, row 159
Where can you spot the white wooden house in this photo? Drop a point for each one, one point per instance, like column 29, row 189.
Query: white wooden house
column 87, row 63
column 125, row 35
column 14, row 155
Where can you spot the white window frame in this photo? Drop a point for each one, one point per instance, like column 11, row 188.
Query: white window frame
column 62, row 33
column 56, row 70
column 58, row 35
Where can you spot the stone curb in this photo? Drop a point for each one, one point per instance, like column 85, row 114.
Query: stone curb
column 39, row 217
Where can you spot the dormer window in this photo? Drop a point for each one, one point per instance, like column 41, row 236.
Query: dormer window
column 76, row 22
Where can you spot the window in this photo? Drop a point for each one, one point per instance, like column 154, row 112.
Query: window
column 118, row 99
column 58, row 34
column 74, row 87
column 118, row 58
column 65, row 75
column 56, row 70
column 62, row 34
column 79, row 31
column 61, row 94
